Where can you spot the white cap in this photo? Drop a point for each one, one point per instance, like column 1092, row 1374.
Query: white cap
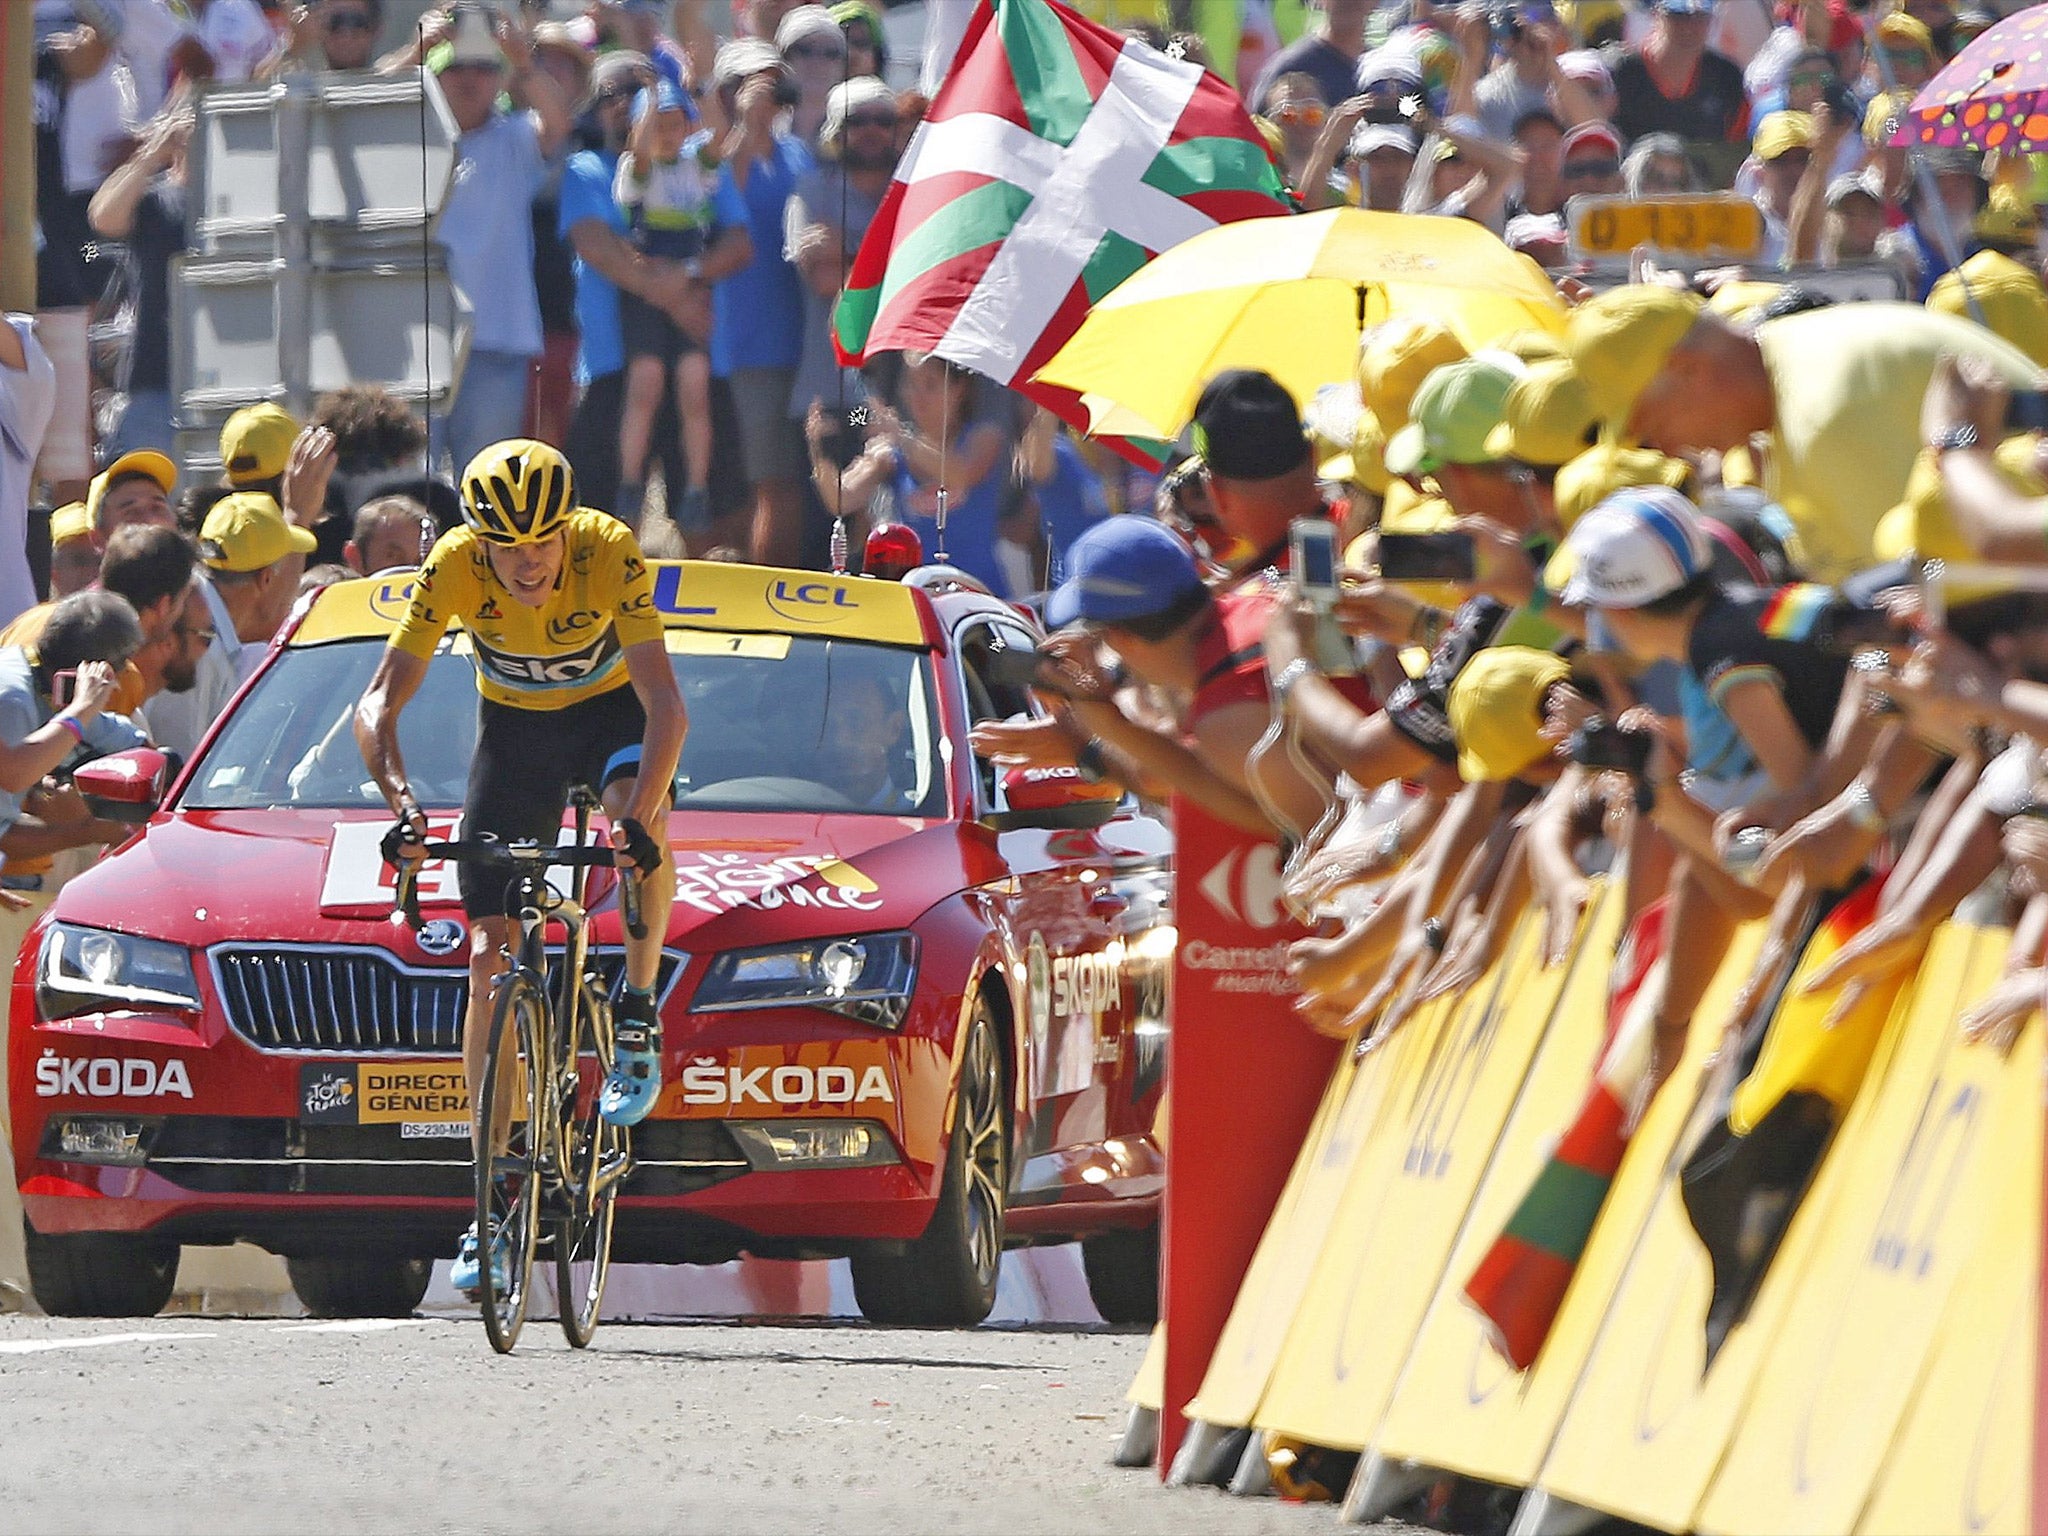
column 808, row 21
column 1638, row 545
column 740, row 58
column 1372, row 136
column 847, row 98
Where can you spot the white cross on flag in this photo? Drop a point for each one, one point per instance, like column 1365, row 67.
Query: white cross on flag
column 1057, row 159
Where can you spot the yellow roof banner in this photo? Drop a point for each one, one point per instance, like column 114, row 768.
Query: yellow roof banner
column 690, row 594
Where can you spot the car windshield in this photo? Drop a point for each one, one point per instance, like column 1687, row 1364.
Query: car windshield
column 777, row 723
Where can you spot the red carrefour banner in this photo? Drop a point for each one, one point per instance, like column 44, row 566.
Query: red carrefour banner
column 1244, row 1076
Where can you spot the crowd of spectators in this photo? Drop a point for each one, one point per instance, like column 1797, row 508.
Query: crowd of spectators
column 1671, row 516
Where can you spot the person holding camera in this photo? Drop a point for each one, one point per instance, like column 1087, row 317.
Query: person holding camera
column 53, row 710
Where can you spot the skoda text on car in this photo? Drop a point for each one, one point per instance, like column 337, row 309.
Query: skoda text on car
column 914, row 1007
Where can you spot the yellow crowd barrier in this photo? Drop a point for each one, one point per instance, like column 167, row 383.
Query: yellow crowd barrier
column 1880, row 1380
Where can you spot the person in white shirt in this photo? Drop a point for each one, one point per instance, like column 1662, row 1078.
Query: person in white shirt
column 28, row 393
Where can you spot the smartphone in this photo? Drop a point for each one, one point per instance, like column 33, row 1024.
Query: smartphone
column 1389, row 114
column 1602, row 744
column 1427, row 557
column 2028, row 411
column 1845, row 630
column 63, row 688
column 1312, row 542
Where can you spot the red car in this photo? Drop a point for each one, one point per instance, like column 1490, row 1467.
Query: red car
column 914, row 1008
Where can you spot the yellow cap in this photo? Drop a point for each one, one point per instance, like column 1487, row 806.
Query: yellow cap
column 1548, row 416
column 1780, row 132
column 1496, row 711
column 2007, row 218
column 1367, row 457
column 246, row 532
column 1904, row 31
column 1605, row 468
column 1619, row 342
column 1881, row 117
column 143, row 461
column 1530, row 346
column 1393, row 360
column 1922, row 525
column 1733, row 300
column 256, row 442
column 1269, row 131
column 68, row 522
column 2014, row 303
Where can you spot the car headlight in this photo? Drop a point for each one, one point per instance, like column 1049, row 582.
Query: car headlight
column 90, row 970
column 869, row 978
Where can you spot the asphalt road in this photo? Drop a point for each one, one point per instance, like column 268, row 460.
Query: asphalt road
column 205, row 1424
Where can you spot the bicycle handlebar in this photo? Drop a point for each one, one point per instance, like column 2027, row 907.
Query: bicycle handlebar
column 533, row 857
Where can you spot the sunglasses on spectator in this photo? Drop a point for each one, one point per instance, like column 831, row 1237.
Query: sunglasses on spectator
column 348, row 21
column 193, row 632
column 612, row 93
column 813, row 51
column 1810, row 77
column 1590, row 167
column 872, row 120
column 1309, row 116
column 1898, row 56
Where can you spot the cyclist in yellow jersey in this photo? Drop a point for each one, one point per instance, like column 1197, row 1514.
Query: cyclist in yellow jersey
column 576, row 688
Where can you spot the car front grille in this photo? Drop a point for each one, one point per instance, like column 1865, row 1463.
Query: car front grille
column 361, row 1000
column 235, row 1155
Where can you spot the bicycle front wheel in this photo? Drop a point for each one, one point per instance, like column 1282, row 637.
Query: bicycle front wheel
column 509, row 1184
column 598, row 1161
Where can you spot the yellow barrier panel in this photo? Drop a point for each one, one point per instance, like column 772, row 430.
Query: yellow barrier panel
column 1917, row 1183
column 1400, row 1221
column 1650, row 1419
column 1148, row 1387
column 1459, row 1406
column 1243, row 1360
column 1351, row 1231
column 1964, row 1460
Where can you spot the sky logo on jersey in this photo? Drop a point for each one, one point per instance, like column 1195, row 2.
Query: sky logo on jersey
column 563, row 671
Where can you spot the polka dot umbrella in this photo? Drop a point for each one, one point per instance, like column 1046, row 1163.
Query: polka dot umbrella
column 1992, row 95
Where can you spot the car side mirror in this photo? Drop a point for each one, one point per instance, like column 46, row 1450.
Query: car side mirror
column 1053, row 800
column 125, row 786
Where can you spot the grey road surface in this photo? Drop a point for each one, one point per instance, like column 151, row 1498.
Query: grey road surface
column 204, row 1424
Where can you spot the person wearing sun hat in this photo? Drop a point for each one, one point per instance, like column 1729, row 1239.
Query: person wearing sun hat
column 1135, row 584
column 251, row 560
column 1836, row 391
column 1547, row 417
column 2009, row 297
column 135, row 488
column 74, row 557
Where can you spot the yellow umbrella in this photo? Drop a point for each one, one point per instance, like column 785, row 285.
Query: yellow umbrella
column 1289, row 295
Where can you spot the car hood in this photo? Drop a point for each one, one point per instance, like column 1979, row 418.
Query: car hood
column 207, row 877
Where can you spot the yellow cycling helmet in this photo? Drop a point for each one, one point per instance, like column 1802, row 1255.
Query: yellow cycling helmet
column 518, row 492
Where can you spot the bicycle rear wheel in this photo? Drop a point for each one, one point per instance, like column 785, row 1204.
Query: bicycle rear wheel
column 509, row 1186
column 599, row 1157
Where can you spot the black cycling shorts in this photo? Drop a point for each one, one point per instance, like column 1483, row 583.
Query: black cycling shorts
column 526, row 762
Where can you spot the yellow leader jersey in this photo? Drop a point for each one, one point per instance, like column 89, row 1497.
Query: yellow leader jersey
column 569, row 649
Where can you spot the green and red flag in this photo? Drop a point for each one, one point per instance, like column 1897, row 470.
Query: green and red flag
column 1057, row 158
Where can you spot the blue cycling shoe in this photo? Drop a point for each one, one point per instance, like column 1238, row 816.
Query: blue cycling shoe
column 635, row 1080
column 466, row 1274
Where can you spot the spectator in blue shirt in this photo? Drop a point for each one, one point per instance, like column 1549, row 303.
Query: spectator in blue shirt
column 757, row 329
column 606, row 263
column 487, row 219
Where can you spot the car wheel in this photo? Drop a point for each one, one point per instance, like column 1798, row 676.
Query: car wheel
column 366, row 1287
column 99, row 1274
column 947, row 1278
column 1123, row 1274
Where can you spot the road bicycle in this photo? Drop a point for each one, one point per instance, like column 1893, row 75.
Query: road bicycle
column 558, row 1172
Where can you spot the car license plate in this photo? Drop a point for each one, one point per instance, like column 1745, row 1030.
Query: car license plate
column 1717, row 224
